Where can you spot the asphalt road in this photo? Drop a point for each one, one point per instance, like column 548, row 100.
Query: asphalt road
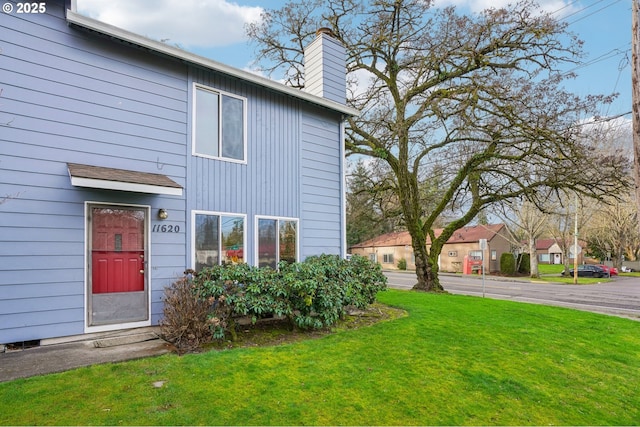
column 620, row 297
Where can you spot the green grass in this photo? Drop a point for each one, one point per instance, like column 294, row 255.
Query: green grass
column 634, row 274
column 454, row 360
column 550, row 268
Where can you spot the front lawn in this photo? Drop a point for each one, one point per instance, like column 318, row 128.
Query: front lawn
column 454, row 360
column 550, row 268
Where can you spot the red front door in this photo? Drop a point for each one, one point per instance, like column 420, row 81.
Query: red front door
column 117, row 268
column 117, row 252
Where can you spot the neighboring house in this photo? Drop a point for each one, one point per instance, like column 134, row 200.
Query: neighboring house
column 550, row 252
column 389, row 248
column 124, row 161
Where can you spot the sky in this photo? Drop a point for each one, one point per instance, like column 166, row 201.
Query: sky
column 215, row 29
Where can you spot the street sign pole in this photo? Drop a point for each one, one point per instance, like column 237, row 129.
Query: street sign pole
column 483, row 248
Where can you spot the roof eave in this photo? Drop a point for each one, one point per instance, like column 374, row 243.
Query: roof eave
column 75, row 18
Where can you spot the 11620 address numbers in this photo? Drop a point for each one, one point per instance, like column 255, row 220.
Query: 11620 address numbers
column 165, row 228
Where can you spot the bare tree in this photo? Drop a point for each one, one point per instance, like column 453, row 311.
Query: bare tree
column 612, row 230
column 527, row 220
column 474, row 102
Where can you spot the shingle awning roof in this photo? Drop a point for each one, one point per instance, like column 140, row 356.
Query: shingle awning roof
column 121, row 179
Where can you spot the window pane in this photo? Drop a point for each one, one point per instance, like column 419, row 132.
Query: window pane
column 207, row 253
column 233, row 239
column 232, row 128
column 207, row 123
column 288, row 241
column 267, row 237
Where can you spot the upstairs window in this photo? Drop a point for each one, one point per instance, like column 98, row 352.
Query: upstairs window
column 219, row 125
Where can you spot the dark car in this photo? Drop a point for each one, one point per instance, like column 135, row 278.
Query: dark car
column 589, row 271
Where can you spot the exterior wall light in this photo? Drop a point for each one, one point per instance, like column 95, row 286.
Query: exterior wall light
column 163, row 214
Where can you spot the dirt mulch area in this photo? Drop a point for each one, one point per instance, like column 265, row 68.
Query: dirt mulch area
column 277, row 331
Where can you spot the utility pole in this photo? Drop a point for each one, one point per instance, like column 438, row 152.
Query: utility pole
column 635, row 92
column 575, row 245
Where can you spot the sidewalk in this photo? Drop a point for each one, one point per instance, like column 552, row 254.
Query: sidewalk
column 58, row 357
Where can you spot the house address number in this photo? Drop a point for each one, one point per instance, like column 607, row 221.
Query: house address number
column 164, row 228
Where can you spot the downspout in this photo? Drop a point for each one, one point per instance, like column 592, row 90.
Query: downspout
column 343, row 193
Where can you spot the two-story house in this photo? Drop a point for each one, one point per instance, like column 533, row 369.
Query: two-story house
column 124, row 161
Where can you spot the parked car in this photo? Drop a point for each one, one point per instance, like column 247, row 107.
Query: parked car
column 589, row 270
column 611, row 271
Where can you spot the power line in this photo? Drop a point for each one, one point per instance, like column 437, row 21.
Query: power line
column 564, row 7
column 578, row 11
column 592, row 13
column 604, row 57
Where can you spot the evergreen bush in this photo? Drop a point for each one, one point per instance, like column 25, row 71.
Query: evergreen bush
column 524, row 263
column 508, row 264
column 313, row 294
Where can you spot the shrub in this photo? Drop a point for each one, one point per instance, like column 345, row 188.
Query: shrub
column 402, row 264
column 366, row 280
column 322, row 286
column 508, row 264
column 185, row 316
column 239, row 290
column 524, row 264
column 312, row 294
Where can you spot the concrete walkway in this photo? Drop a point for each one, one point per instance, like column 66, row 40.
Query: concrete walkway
column 64, row 356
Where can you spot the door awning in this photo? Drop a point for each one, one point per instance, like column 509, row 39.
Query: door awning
column 122, row 179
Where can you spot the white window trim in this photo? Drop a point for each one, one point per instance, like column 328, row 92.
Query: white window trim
column 219, row 214
column 256, row 260
column 196, row 87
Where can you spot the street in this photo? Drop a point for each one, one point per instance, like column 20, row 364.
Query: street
column 620, row 297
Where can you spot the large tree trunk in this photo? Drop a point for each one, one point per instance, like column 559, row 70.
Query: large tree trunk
column 426, row 270
column 533, row 258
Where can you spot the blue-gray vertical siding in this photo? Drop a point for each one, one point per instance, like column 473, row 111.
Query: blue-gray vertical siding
column 292, row 169
column 268, row 183
column 321, row 185
column 69, row 96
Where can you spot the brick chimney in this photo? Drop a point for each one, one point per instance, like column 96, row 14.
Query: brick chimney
column 325, row 67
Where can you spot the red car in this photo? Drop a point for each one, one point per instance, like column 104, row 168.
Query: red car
column 611, row 271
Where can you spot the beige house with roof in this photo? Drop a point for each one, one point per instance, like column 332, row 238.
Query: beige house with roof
column 389, row 248
column 550, row 252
